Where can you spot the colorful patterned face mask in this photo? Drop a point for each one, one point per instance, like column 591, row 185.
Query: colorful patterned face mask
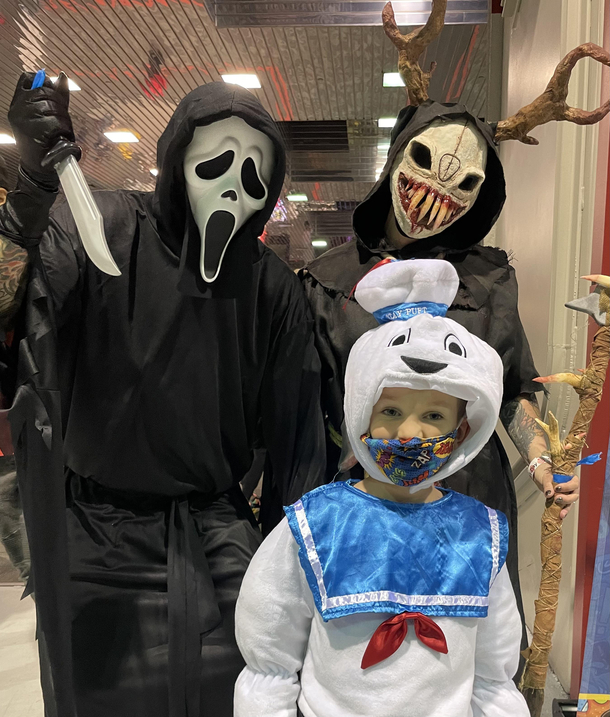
column 409, row 462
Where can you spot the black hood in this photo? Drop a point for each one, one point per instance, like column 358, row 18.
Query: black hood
column 371, row 214
column 177, row 229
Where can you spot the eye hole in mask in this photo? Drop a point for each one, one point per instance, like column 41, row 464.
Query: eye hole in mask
column 250, row 180
column 214, row 168
column 421, row 155
column 401, row 339
column 469, row 183
column 454, row 345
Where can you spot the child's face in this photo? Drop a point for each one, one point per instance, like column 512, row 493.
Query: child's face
column 406, row 413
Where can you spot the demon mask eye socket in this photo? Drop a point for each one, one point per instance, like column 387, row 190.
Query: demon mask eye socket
column 469, row 183
column 454, row 345
column 401, row 339
column 421, row 155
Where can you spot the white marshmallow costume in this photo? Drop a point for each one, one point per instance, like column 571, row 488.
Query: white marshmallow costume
column 342, row 562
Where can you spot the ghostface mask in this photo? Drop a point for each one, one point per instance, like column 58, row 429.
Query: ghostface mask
column 227, row 168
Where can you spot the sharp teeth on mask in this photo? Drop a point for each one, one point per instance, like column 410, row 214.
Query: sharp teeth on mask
column 434, row 210
column 442, row 212
column 426, row 205
column 418, row 196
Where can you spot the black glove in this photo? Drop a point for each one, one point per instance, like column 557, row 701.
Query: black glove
column 39, row 119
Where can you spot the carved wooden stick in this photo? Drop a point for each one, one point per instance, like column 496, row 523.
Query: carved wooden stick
column 564, row 456
column 551, row 104
column 411, row 46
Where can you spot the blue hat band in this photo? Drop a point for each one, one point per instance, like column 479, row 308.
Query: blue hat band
column 403, row 312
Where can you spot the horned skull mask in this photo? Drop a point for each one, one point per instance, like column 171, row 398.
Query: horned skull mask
column 227, row 167
column 438, row 177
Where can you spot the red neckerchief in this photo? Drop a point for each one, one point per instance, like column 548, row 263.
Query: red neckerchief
column 388, row 637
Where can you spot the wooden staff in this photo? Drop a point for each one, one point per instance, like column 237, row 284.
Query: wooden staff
column 564, row 456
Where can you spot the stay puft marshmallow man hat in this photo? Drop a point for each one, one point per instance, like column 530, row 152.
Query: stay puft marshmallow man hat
column 417, row 347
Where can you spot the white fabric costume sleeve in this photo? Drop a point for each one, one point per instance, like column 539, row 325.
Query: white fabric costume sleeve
column 494, row 693
column 272, row 622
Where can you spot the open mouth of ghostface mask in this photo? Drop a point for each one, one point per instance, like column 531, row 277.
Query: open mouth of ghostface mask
column 425, row 207
column 218, row 232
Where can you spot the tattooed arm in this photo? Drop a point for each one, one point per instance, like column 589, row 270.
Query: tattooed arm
column 13, row 266
column 519, row 419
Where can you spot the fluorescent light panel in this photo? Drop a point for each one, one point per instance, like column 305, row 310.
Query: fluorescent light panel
column 319, row 242
column 297, row 198
column 6, row 138
column 392, row 79
column 250, row 82
column 122, row 137
column 386, row 122
column 72, row 86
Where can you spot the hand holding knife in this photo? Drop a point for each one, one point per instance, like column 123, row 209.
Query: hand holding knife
column 89, row 222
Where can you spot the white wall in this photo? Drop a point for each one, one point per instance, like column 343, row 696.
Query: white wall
column 547, row 225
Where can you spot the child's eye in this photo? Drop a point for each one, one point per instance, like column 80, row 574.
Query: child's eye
column 435, row 416
column 392, row 412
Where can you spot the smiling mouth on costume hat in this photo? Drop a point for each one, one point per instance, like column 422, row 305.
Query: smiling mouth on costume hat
column 425, row 207
column 423, row 366
column 218, row 232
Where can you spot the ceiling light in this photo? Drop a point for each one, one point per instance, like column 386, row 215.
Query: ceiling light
column 121, row 137
column 319, row 242
column 392, row 79
column 383, row 147
column 154, row 172
column 6, row 138
column 250, row 82
column 72, row 86
column 386, row 121
column 297, row 198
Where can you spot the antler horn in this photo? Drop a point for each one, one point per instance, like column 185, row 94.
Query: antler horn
column 551, row 104
column 411, row 46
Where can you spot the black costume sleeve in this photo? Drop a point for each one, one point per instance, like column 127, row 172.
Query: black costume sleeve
column 321, row 306
column 64, row 260
column 507, row 336
column 36, row 427
column 292, row 424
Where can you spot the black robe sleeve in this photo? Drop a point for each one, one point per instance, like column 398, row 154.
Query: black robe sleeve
column 36, row 428
column 322, row 308
column 507, row 336
column 291, row 416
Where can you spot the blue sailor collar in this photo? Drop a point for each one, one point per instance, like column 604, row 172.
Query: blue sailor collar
column 364, row 554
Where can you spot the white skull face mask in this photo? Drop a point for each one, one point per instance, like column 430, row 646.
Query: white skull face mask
column 227, row 167
column 438, row 177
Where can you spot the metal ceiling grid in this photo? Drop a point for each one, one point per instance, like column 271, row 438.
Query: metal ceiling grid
column 232, row 13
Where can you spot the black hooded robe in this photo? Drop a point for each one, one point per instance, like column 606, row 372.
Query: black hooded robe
column 137, row 408
column 486, row 305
